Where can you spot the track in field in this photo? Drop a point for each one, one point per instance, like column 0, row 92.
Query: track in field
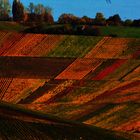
column 32, row 67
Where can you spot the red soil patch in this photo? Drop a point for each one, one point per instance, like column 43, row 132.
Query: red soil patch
column 109, row 69
column 136, row 54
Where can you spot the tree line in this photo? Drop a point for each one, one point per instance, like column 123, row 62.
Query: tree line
column 40, row 13
column 99, row 20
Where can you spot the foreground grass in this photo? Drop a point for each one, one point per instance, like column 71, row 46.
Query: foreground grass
column 132, row 32
column 11, row 26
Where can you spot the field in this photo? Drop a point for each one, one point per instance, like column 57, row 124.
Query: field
column 27, row 124
column 90, row 80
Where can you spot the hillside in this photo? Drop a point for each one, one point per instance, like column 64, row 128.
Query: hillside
column 87, row 79
column 19, row 123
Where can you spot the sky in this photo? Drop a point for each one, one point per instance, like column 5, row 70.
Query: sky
column 127, row 9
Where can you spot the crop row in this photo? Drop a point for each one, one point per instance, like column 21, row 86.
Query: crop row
column 18, row 44
column 4, row 85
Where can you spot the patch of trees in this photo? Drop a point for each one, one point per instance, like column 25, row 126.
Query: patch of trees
column 43, row 14
column 4, row 10
column 33, row 13
column 99, row 20
column 39, row 13
column 66, row 29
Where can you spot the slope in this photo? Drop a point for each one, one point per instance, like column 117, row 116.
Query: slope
column 19, row 123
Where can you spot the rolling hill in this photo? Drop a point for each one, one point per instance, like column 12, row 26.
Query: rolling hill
column 85, row 79
column 19, row 123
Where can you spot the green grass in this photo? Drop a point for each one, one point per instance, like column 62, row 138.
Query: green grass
column 74, row 46
column 132, row 32
column 11, row 26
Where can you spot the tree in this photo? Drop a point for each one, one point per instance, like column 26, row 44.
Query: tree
column 48, row 18
column 48, row 10
column 38, row 13
column 4, row 9
column 136, row 23
column 68, row 19
column 114, row 20
column 99, row 19
column 39, row 9
column 18, row 10
column 86, row 20
column 128, row 22
column 31, row 8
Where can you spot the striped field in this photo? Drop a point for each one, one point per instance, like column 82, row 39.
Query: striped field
column 92, row 80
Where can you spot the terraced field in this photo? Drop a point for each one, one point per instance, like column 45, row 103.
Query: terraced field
column 91, row 80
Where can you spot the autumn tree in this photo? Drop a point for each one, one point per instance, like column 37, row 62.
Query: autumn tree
column 4, row 9
column 68, row 19
column 48, row 18
column 86, row 20
column 39, row 13
column 99, row 19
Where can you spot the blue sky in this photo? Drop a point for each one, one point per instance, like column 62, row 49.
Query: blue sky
column 127, row 9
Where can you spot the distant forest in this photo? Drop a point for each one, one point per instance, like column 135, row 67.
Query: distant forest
column 36, row 16
column 40, row 13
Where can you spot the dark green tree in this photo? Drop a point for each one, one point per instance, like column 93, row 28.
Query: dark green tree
column 114, row 20
column 18, row 11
